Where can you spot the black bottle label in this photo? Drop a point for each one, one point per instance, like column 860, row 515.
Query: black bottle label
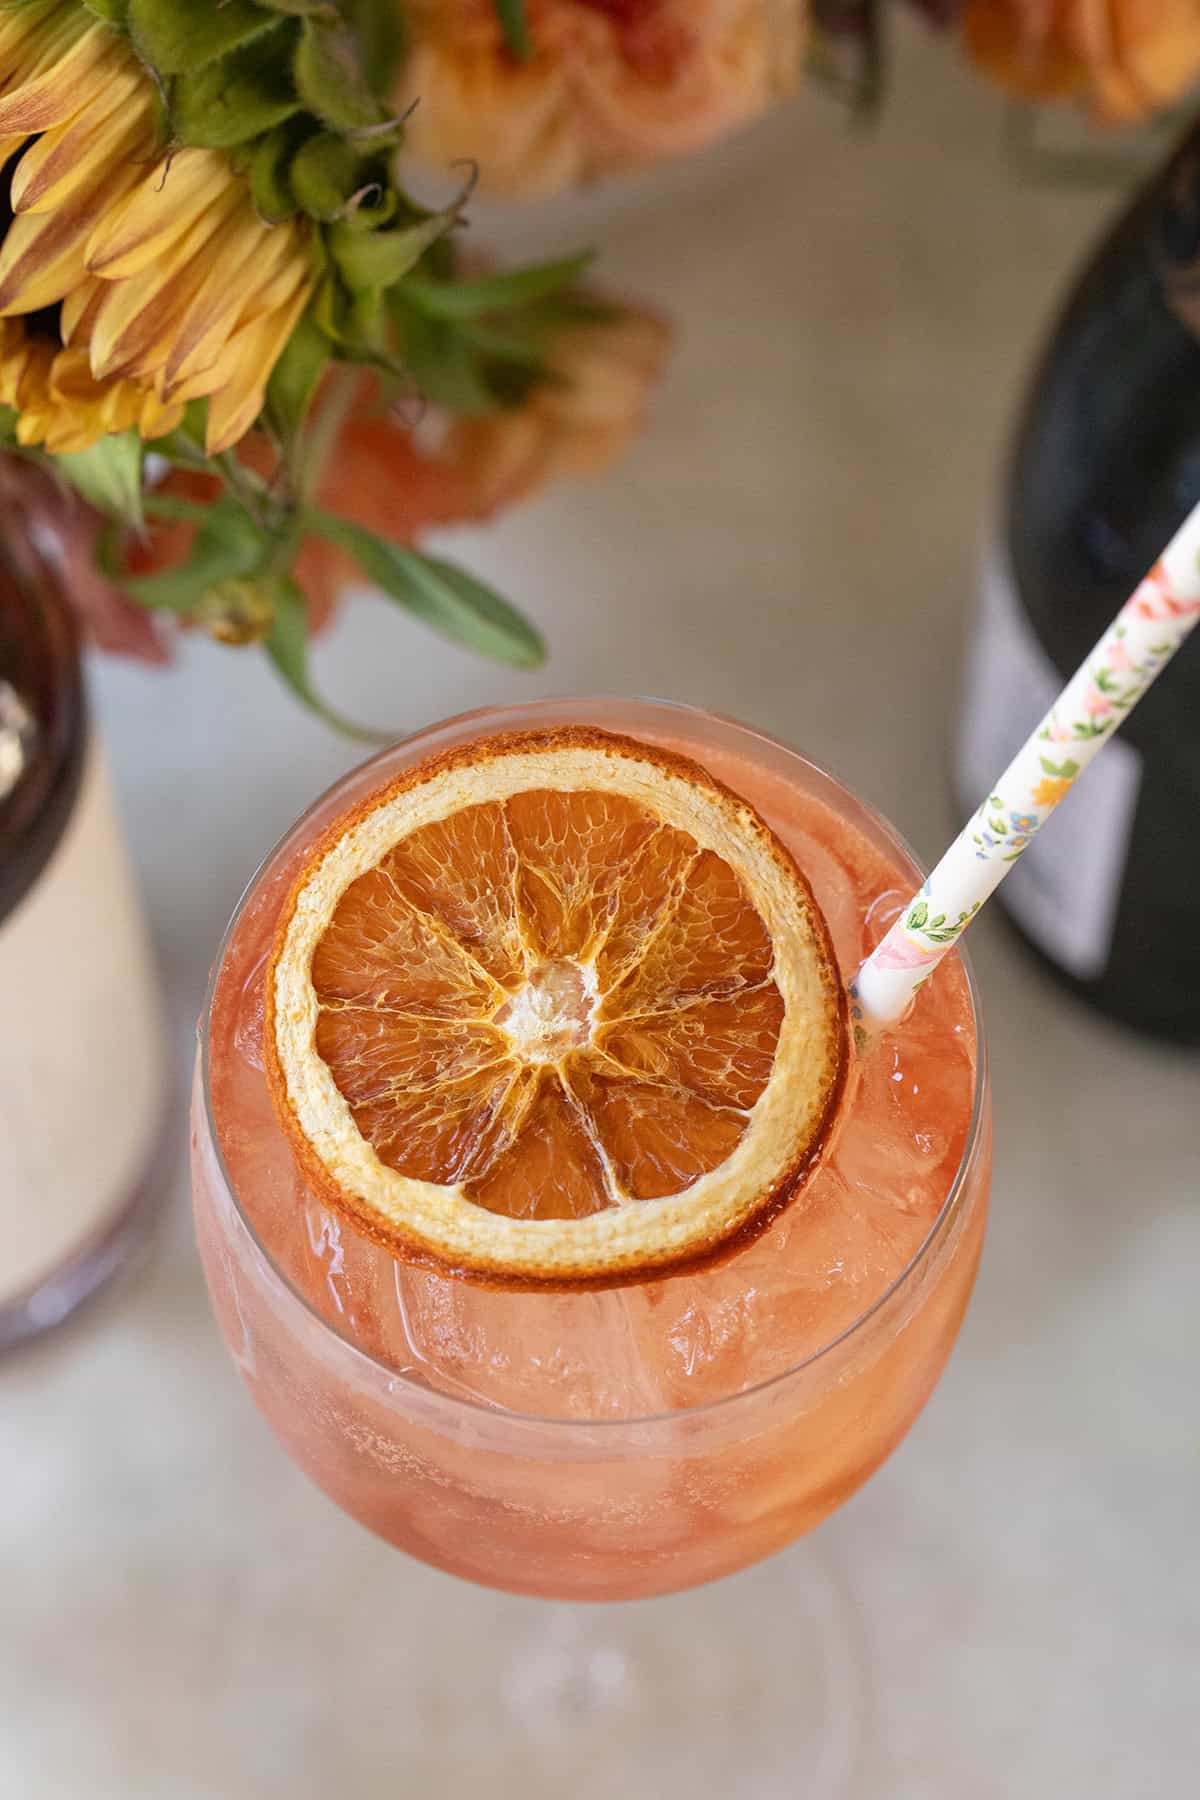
column 1065, row 890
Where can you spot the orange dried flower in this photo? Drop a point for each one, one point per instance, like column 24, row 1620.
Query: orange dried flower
column 611, row 84
column 1125, row 59
column 381, row 474
column 575, row 423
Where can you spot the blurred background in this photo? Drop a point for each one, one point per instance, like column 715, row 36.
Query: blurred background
column 1011, row 1606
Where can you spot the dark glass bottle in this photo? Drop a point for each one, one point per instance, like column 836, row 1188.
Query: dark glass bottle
column 43, row 724
column 81, row 1063
column 1105, row 467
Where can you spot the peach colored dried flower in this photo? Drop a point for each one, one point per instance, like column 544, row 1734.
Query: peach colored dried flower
column 611, row 84
column 382, row 476
column 1125, row 59
column 574, row 424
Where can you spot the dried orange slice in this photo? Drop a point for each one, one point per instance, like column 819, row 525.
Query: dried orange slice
column 554, row 1008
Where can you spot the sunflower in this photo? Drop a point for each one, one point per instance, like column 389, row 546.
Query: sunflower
column 205, row 245
column 132, row 279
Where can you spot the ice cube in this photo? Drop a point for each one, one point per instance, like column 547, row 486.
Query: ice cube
column 570, row 1355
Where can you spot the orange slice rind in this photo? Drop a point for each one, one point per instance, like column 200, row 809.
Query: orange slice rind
column 554, row 1009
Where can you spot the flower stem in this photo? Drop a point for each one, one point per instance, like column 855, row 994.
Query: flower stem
column 328, row 419
column 173, row 506
column 244, row 484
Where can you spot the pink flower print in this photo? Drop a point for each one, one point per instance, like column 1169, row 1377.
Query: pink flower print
column 1097, row 704
column 1119, row 659
column 1058, row 733
column 1153, row 597
column 899, row 951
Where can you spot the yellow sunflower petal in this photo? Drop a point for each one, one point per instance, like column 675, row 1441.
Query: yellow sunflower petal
column 169, row 283
column 31, row 390
column 79, row 310
column 118, row 125
column 156, row 420
column 233, row 410
column 64, row 60
column 135, row 323
column 42, row 256
column 249, row 303
column 244, row 255
column 163, row 207
column 40, row 261
column 228, row 369
column 33, row 381
column 14, row 354
column 64, row 433
column 32, row 424
column 276, row 289
column 19, row 26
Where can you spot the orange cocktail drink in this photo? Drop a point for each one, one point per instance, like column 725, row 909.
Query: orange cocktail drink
column 672, row 1411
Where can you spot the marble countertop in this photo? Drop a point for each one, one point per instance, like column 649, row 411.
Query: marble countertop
column 1011, row 1607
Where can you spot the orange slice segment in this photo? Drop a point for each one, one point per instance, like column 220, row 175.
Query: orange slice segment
column 555, row 1009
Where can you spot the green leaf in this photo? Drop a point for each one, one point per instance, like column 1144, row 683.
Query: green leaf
column 1063, row 771
column 511, row 14
column 368, row 325
column 331, row 307
column 917, row 915
column 382, row 39
column 106, row 552
column 268, row 170
column 376, row 259
column 331, row 80
column 573, row 307
column 8, row 427
column 109, row 475
column 494, row 293
column 185, row 445
column 504, row 347
column 445, row 368
column 296, row 377
column 237, row 99
column 305, row 9
column 444, row 596
column 113, row 12
column 327, row 172
column 175, row 39
column 227, row 545
column 175, row 508
column 287, row 647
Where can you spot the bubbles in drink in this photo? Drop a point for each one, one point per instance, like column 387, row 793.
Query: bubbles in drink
column 248, row 1035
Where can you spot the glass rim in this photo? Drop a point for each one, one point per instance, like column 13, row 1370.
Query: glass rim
column 725, row 1404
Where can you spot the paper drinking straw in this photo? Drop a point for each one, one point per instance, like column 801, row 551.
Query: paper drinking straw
column 1133, row 652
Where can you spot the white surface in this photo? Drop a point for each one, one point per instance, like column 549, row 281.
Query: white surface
column 1011, row 1606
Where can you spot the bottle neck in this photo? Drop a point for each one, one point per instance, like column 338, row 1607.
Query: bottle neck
column 43, row 714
